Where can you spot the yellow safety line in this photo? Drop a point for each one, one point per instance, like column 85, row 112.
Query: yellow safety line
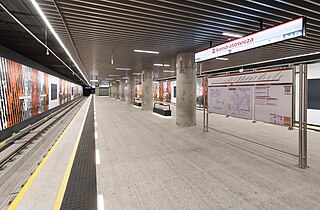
column 63, row 185
column 25, row 188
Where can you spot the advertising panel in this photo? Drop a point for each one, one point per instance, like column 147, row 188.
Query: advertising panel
column 24, row 92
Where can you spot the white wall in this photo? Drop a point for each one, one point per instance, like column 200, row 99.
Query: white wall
column 313, row 115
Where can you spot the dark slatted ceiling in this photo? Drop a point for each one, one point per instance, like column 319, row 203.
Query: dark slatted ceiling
column 95, row 29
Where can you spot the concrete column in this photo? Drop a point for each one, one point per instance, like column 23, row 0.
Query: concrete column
column 186, row 89
column 130, row 86
column 97, row 91
column 117, row 90
column 113, row 90
column 147, row 102
column 121, row 89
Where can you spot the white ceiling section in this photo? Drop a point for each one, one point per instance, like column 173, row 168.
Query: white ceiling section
column 99, row 31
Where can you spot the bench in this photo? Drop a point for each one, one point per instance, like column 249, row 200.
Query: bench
column 162, row 109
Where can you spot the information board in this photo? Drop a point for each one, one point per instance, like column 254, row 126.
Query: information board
column 274, row 76
column 273, row 104
column 240, row 101
column 217, row 100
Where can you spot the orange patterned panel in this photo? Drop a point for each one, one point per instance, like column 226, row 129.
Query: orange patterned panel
column 14, row 91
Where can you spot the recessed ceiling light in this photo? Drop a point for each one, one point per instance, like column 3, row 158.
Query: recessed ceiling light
column 232, row 34
column 147, row 51
column 94, row 80
column 114, row 75
column 166, row 65
column 169, row 71
column 125, row 77
column 223, row 59
column 136, row 73
column 108, row 78
column 158, row 64
column 123, row 69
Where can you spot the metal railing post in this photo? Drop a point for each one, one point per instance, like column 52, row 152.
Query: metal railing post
column 303, row 106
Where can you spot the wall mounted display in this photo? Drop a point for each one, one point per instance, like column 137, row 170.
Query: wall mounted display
column 314, row 94
column 268, row 101
column 173, row 91
column 54, row 91
column 240, row 101
column 24, row 92
column 273, row 104
column 217, row 100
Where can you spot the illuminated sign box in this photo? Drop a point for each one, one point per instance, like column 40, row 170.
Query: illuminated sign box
column 284, row 31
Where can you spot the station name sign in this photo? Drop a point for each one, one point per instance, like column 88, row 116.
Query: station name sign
column 284, row 31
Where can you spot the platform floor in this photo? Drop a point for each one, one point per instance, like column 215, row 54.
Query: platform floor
column 144, row 161
column 148, row 162
column 45, row 188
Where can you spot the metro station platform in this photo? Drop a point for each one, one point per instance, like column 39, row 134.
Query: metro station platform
column 143, row 161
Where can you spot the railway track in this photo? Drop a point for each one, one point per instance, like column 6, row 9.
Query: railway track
column 33, row 132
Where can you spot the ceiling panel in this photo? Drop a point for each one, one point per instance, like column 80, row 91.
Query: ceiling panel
column 94, row 31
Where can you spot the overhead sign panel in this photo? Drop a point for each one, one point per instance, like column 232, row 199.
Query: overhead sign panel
column 284, row 31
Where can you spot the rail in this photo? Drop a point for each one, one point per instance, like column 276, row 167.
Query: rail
column 25, row 131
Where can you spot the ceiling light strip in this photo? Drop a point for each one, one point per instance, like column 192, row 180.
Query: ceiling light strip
column 68, row 32
column 44, row 18
column 43, row 44
column 123, row 69
column 146, row 51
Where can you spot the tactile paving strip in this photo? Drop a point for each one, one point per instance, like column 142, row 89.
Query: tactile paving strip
column 81, row 191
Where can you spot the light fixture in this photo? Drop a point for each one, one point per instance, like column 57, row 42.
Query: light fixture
column 125, row 78
column 232, row 35
column 44, row 18
column 118, row 80
column 146, row 51
column 123, row 69
column 114, row 75
column 94, row 80
column 108, row 78
column 135, row 73
column 160, row 64
column 223, row 59
column 241, row 70
column 169, row 71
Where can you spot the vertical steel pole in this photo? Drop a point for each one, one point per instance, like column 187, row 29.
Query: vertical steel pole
column 207, row 100
column 305, row 116
column 204, row 105
column 293, row 120
column 303, row 83
column 300, row 114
